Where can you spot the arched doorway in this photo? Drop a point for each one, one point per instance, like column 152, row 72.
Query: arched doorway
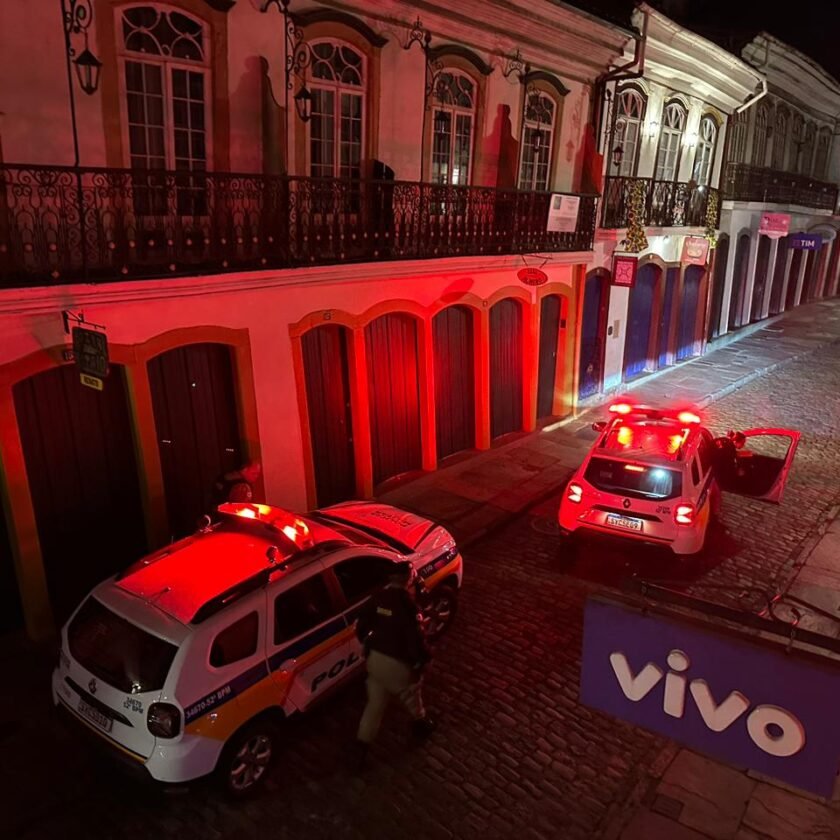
column 505, row 367
column 686, row 329
column 392, row 363
column 718, row 283
column 762, row 267
column 793, row 278
column 672, row 276
column 640, row 321
column 551, row 317
column 779, row 276
column 326, row 368
column 739, row 281
column 197, row 424
column 592, row 333
column 452, row 330
column 79, row 451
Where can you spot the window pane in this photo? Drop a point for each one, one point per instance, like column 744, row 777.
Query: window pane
column 301, row 608
column 236, row 642
column 441, row 146
column 361, row 576
column 196, row 86
column 463, row 136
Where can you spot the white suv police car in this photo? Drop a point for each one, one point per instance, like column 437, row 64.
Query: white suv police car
column 652, row 476
column 185, row 662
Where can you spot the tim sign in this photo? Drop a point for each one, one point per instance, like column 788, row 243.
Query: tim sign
column 747, row 702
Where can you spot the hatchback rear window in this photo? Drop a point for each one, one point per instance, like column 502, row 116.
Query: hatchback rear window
column 118, row 652
column 632, row 480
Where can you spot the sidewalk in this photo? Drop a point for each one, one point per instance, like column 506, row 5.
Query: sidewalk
column 486, row 490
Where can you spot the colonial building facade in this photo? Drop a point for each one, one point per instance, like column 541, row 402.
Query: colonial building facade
column 300, row 228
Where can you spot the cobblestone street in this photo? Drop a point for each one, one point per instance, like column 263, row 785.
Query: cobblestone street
column 515, row 754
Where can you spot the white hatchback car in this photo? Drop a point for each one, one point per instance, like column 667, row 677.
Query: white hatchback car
column 654, row 476
column 186, row 662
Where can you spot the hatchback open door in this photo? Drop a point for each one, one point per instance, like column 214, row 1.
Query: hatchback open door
column 764, row 464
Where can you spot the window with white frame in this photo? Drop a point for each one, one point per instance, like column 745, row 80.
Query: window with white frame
column 670, row 140
column 336, row 129
column 760, row 133
column 628, row 131
column 537, row 141
column 738, row 142
column 780, row 136
column 704, row 156
column 167, row 91
column 823, row 148
column 453, row 127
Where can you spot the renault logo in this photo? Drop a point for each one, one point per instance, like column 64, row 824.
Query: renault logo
column 92, row 686
column 626, row 503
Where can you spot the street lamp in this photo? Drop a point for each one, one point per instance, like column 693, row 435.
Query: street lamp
column 303, row 104
column 617, row 156
column 76, row 18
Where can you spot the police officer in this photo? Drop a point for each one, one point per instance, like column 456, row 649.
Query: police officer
column 237, row 486
column 390, row 630
column 728, row 448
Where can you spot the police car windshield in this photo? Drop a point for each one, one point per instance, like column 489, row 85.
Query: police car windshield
column 118, row 652
column 627, row 479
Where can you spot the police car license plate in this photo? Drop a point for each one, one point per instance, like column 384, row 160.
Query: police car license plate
column 627, row 522
column 94, row 715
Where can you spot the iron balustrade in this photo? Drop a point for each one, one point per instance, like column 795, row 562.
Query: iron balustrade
column 666, row 203
column 62, row 224
column 743, row 182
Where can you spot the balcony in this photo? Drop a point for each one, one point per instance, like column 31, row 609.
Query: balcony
column 666, row 203
column 61, row 224
column 770, row 186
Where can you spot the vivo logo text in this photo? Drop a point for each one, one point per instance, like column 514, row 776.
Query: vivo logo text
column 776, row 731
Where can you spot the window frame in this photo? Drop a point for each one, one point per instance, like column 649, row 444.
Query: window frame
column 629, row 166
column 256, row 614
column 760, row 135
column 702, row 143
column 781, row 128
column 524, row 146
column 667, row 131
column 454, row 111
column 335, row 609
column 337, row 88
column 168, row 64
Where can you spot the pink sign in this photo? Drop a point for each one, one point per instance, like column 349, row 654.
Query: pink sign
column 774, row 225
column 695, row 250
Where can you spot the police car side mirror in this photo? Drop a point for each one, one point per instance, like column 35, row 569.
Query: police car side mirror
column 599, row 426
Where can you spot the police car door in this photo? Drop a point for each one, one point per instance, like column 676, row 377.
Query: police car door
column 358, row 576
column 764, row 464
column 307, row 643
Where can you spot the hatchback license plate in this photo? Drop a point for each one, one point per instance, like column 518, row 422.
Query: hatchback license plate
column 94, row 715
column 626, row 522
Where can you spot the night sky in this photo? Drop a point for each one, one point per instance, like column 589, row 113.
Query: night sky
column 811, row 28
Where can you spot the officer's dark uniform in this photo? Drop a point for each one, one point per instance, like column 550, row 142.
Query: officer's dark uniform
column 395, row 651
column 726, row 461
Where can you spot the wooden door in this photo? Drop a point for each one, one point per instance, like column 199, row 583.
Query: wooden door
column 79, row 451
column 550, row 311
column 686, row 328
column 196, row 419
column 392, row 361
column 505, row 367
column 327, row 375
column 452, row 330
column 592, row 336
column 671, row 278
column 639, row 322
column 718, row 283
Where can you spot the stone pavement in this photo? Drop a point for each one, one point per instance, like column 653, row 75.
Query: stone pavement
column 484, row 491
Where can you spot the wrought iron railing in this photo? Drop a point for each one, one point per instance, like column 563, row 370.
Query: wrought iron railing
column 770, row 186
column 59, row 225
column 666, row 203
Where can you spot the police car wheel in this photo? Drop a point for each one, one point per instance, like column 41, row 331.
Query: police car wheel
column 246, row 759
column 441, row 610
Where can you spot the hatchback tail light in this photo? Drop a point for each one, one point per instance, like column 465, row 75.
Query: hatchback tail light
column 164, row 720
column 684, row 514
column 574, row 493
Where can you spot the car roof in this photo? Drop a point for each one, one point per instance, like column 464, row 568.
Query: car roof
column 201, row 574
column 658, row 440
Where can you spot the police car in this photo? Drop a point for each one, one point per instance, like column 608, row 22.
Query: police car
column 185, row 663
column 651, row 477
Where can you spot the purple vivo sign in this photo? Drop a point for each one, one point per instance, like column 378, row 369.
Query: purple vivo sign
column 747, row 702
